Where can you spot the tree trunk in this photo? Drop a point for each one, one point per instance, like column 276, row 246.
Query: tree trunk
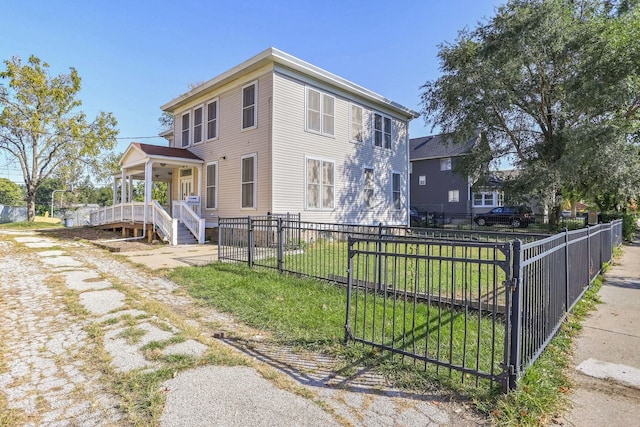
column 31, row 205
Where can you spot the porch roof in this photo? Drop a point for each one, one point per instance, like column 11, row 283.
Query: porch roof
column 165, row 159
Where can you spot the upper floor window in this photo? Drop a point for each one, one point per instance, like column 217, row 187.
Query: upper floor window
column 395, row 191
column 320, row 112
column 197, row 125
column 249, row 110
column 320, row 184
column 454, row 196
column 212, row 119
column 357, row 123
column 445, row 164
column 248, row 181
column 422, row 180
column 368, row 188
column 186, row 123
column 382, row 131
column 212, row 185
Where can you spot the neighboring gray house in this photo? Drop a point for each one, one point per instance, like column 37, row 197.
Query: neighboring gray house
column 436, row 187
column 277, row 134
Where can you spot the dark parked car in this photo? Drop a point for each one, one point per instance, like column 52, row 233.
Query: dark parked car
column 515, row 216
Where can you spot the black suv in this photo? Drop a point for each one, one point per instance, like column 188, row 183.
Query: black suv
column 515, row 216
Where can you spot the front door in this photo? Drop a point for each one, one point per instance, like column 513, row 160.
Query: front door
column 185, row 187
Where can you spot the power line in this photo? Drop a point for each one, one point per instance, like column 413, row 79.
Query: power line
column 81, row 137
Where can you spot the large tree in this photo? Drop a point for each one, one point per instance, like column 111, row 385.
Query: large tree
column 554, row 84
column 42, row 128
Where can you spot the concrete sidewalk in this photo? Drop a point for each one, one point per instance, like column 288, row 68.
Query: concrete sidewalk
column 607, row 354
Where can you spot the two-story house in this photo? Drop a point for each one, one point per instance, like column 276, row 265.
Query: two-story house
column 276, row 134
column 437, row 187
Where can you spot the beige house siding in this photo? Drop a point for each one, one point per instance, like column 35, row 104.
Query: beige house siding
column 293, row 145
column 233, row 143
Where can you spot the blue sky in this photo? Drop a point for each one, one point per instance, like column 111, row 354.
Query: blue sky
column 134, row 56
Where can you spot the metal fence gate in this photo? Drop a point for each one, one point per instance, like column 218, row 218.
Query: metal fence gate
column 442, row 304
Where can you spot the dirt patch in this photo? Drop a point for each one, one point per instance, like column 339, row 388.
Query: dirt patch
column 110, row 240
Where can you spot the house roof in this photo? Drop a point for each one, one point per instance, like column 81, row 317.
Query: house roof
column 437, row 146
column 158, row 150
column 275, row 56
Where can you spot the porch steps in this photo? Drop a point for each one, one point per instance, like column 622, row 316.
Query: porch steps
column 184, row 235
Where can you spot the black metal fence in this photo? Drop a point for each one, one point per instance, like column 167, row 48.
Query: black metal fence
column 479, row 305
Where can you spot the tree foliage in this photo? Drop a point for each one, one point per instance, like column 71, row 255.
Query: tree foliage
column 10, row 193
column 555, row 86
column 42, row 127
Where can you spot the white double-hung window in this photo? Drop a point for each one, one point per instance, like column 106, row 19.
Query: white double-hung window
column 368, row 188
column 395, row 191
column 212, row 185
column 320, row 112
column 186, row 124
column 357, row 124
column 248, row 181
column 212, row 119
column 198, row 117
column 320, row 184
column 249, row 109
column 382, row 131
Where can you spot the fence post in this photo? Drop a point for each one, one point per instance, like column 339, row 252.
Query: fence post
column 516, row 315
column 566, row 269
column 379, row 257
column 250, row 241
column 347, row 325
column 280, row 245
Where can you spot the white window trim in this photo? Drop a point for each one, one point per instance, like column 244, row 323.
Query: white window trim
column 255, row 181
column 363, row 188
column 206, row 187
column 449, row 198
column 373, row 130
column 364, row 123
column 190, row 136
column 422, row 180
column 393, row 207
column 446, row 164
column 495, row 199
column 206, row 122
column 255, row 106
column 193, row 125
column 306, row 111
column 306, row 177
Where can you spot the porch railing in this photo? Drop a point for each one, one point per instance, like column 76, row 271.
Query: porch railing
column 134, row 212
column 196, row 225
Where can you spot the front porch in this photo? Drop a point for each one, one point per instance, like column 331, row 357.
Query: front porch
column 152, row 221
column 143, row 166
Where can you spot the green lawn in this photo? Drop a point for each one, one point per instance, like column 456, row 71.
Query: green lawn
column 309, row 312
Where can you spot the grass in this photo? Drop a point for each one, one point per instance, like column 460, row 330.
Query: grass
column 25, row 225
column 541, row 396
column 311, row 313
column 307, row 312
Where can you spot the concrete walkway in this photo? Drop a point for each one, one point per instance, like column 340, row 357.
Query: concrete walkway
column 607, row 354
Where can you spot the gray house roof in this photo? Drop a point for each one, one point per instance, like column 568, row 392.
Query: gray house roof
column 437, row 146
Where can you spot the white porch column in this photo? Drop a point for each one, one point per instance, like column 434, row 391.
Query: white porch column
column 115, row 190
column 130, row 189
column 199, row 182
column 148, row 184
column 123, row 186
